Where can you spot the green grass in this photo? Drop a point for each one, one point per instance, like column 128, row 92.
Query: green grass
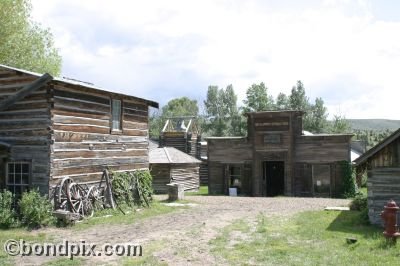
column 17, row 234
column 65, row 262
column 148, row 259
column 309, row 238
column 131, row 215
column 203, row 191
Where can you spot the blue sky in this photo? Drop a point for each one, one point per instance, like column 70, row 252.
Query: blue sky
column 345, row 51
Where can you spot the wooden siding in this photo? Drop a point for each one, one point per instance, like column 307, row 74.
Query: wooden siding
column 161, row 174
column 320, row 149
column 383, row 185
column 25, row 126
column 388, row 156
column 184, row 174
column 83, row 140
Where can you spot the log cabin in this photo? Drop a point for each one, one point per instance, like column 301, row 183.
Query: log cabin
column 382, row 164
column 276, row 158
column 56, row 127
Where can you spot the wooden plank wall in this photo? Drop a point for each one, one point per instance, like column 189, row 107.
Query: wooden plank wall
column 221, row 152
column 25, row 125
column 186, row 174
column 383, row 185
column 203, row 173
column 320, row 149
column 83, row 145
column 161, row 174
column 388, row 156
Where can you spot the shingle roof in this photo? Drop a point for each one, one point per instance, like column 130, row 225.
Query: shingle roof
column 170, row 155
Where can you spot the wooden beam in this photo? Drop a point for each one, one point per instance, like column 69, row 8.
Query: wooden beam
column 25, row 91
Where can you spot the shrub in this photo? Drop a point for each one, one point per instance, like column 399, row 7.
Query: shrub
column 133, row 187
column 360, row 203
column 349, row 184
column 35, row 210
column 7, row 213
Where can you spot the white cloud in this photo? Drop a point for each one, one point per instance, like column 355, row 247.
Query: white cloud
column 166, row 49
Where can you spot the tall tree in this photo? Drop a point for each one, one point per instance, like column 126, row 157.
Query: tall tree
column 298, row 99
column 282, row 102
column 24, row 43
column 340, row 124
column 257, row 99
column 318, row 117
column 180, row 107
column 221, row 109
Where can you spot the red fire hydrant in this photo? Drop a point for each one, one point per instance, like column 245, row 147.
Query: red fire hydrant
column 389, row 217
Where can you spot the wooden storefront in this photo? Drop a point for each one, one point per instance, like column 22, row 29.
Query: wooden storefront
column 277, row 159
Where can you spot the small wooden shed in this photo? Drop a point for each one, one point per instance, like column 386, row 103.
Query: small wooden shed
column 170, row 165
column 382, row 163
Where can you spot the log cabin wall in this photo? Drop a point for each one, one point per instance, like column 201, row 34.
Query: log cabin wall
column 186, row 175
column 25, row 126
column 161, row 174
column 223, row 152
column 84, row 141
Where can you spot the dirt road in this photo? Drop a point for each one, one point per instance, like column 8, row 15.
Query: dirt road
column 182, row 237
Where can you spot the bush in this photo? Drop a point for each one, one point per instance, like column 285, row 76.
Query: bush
column 349, row 184
column 360, row 203
column 133, row 187
column 7, row 213
column 35, row 210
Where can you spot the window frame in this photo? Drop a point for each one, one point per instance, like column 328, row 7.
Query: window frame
column 314, row 179
column 112, row 129
column 14, row 184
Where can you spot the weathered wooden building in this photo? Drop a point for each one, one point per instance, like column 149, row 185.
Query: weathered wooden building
column 170, row 165
column 382, row 163
column 56, row 127
column 277, row 159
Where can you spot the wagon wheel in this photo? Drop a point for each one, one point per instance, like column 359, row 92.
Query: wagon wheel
column 96, row 197
column 78, row 199
column 61, row 196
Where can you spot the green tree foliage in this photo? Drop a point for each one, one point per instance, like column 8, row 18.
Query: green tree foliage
column 24, row 43
column 223, row 113
column 298, row 99
column 257, row 99
column 174, row 108
column 282, row 102
column 318, row 117
column 339, row 124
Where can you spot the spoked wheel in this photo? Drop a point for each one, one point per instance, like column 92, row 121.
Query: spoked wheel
column 61, row 196
column 95, row 196
column 77, row 197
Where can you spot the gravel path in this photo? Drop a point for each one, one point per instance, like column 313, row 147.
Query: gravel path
column 184, row 235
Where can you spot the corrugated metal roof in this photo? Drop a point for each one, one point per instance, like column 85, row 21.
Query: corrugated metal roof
column 170, row 155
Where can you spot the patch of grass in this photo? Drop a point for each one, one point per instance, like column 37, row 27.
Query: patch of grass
column 17, row 234
column 203, row 191
column 132, row 215
column 308, row 238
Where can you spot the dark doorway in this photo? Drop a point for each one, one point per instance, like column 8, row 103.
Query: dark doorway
column 274, row 176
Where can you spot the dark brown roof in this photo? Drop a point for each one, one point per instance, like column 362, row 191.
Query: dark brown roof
column 371, row 152
column 170, row 155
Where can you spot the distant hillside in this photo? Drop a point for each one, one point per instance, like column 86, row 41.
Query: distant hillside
column 374, row 124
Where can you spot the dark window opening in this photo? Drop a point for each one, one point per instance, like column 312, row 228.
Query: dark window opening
column 18, row 178
column 274, row 176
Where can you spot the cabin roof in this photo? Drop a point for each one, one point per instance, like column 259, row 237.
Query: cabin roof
column 371, row 152
column 170, row 155
column 81, row 84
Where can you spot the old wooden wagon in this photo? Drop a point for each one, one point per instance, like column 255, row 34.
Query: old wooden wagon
column 276, row 158
column 56, row 127
column 170, row 165
column 382, row 163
